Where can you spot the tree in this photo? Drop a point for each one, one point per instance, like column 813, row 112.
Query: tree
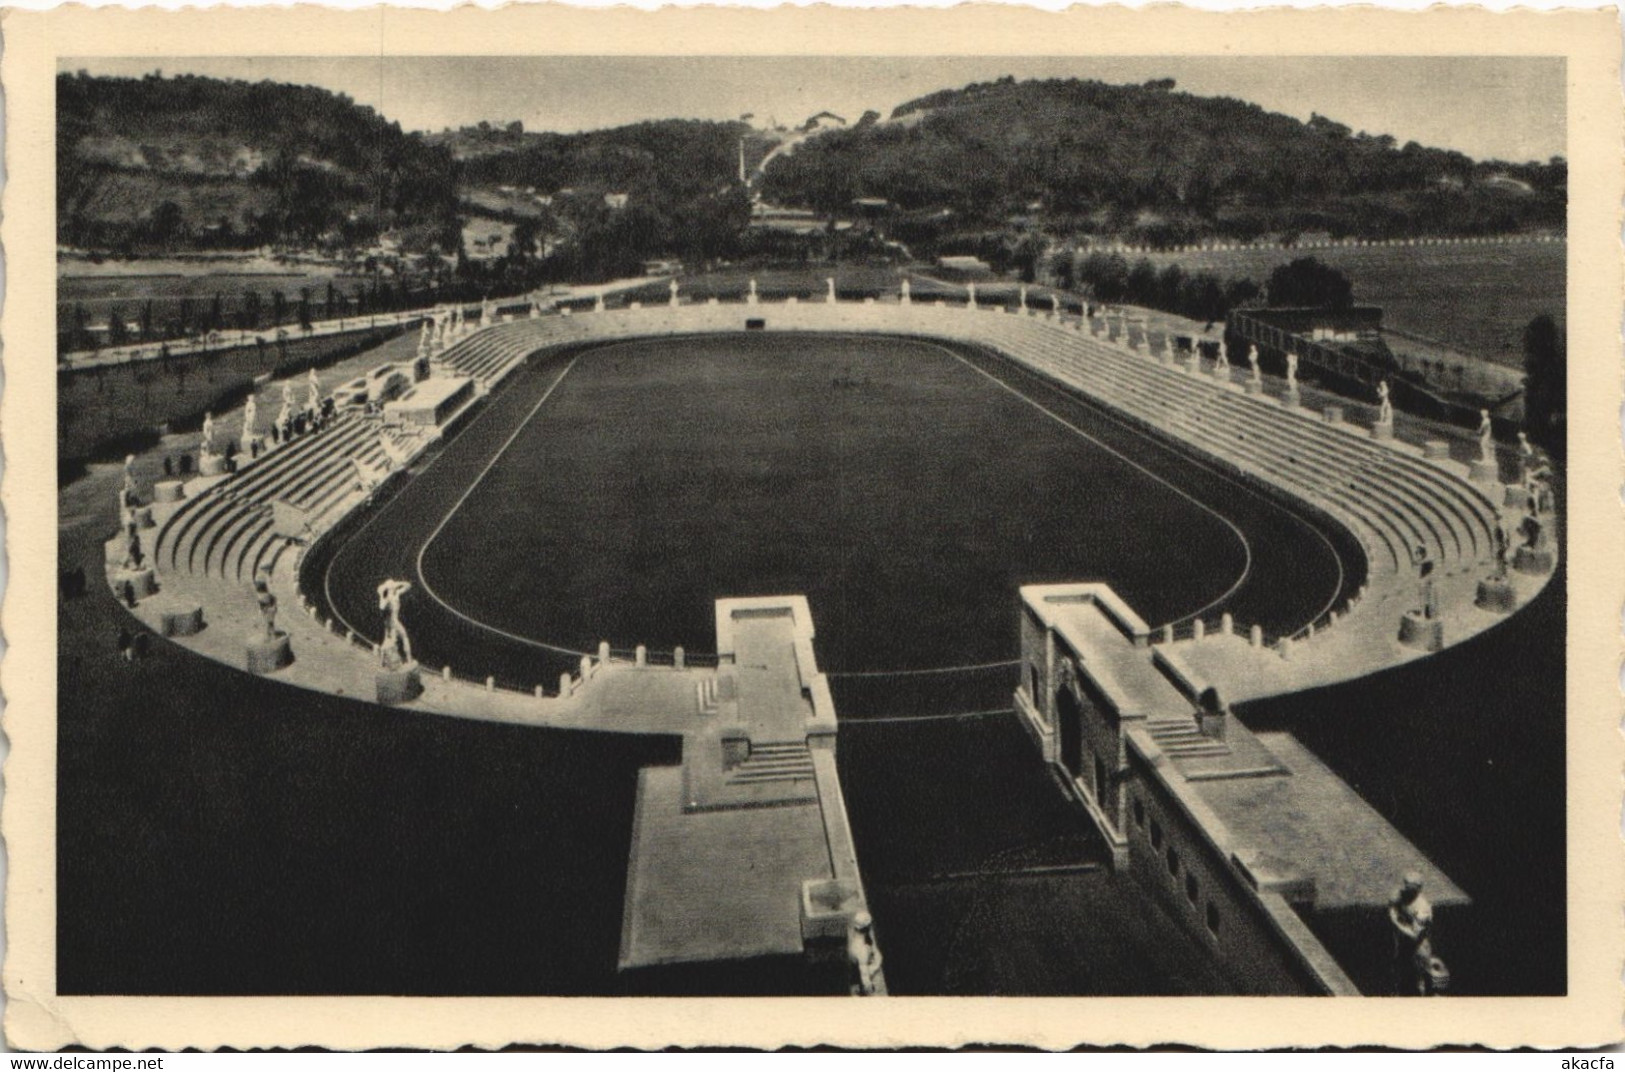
column 1545, row 365
column 1306, row 282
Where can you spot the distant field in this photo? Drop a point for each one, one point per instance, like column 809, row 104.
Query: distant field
column 1475, row 298
column 130, row 291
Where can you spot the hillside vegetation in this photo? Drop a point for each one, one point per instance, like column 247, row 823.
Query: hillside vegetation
column 159, row 164
column 1154, row 164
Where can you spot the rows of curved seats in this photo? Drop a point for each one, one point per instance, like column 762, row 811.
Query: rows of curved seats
column 227, row 530
column 1401, row 501
column 247, row 483
column 1312, row 480
column 1320, row 470
column 1314, row 471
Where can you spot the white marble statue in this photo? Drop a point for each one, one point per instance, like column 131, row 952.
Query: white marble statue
column 1023, row 293
column 1292, row 372
column 251, row 415
column 127, row 498
column 206, row 444
column 863, row 955
column 673, row 288
column 313, row 392
column 1385, row 407
column 286, row 414
column 1486, row 440
column 830, row 285
column 266, row 600
column 1221, row 360
column 970, row 295
column 396, row 649
column 1252, row 362
column 907, row 296
column 751, row 296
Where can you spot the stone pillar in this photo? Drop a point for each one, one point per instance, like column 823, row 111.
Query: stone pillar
column 402, row 684
column 1383, row 431
column 641, row 655
column 1418, row 631
column 1496, row 594
column 265, row 655
column 677, row 657
column 185, row 620
column 603, row 651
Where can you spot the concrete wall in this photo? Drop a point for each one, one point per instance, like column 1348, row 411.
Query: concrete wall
column 1255, row 937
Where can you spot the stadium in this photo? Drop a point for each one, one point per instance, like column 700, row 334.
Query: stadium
column 1080, row 653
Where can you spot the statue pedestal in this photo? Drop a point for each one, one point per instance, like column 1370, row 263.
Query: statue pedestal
column 1293, row 398
column 1485, row 472
column 1496, row 595
column 168, row 491
column 1517, row 497
column 399, row 685
column 211, row 465
column 1253, row 387
column 184, row 620
column 1382, row 431
column 1436, row 449
column 143, row 580
column 1415, row 631
column 265, row 656
column 1332, row 414
column 1534, row 560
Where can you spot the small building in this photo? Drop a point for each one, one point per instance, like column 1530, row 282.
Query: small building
column 431, row 403
column 823, row 121
column 963, row 266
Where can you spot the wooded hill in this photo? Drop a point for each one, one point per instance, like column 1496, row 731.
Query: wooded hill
column 1148, row 162
column 182, row 163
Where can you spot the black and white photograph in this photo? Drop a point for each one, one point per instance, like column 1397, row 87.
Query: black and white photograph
column 975, row 523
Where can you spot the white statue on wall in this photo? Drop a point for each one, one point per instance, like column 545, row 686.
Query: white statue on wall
column 674, row 302
column 907, row 297
column 1486, row 434
column 127, row 498
column 1385, row 408
column 396, row 649
column 251, row 414
column 1252, row 362
column 313, row 392
column 1023, row 293
column 207, row 442
column 751, row 296
column 1221, row 360
column 830, row 286
column 1292, row 371
column 970, row 298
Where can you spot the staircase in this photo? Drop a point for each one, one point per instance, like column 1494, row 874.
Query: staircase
column 1181, row 738
column 784, row 761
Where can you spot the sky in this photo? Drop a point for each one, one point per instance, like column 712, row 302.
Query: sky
column 1508, row 108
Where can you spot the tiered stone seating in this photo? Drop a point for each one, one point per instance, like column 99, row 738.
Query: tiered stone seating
column 1392, row 501
column 227, row 531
